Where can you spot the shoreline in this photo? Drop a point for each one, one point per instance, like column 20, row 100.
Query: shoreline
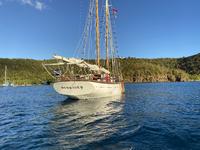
column 28, row 85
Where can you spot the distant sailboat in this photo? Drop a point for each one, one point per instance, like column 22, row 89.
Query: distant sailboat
column 6, row 83
column 90, row 76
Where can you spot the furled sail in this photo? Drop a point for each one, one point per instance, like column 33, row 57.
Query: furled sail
column 81, row 63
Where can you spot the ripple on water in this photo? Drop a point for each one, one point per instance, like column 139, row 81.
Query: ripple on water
column 150, row 116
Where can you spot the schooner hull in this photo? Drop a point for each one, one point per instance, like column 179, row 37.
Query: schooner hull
column 88, row 89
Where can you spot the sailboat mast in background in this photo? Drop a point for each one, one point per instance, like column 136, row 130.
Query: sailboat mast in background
column 5, row 78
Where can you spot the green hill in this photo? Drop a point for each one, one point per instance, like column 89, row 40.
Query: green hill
column 23, row 71
column 152, row 70
column 28, row 71
column 190, row 64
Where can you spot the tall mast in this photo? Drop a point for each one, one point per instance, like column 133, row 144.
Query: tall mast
column 97, row 33
column 107, row 32
column 5, row 74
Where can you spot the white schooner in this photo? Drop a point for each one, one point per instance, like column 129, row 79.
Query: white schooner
column 92, row 73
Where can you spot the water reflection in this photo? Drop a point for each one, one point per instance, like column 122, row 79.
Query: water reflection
column 86, row 120
column 152, row 116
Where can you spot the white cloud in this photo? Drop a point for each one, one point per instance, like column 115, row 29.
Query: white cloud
column 28, row 2
column 39, row 5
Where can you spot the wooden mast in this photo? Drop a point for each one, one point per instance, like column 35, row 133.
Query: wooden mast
column 107, row 32
column 97, row 34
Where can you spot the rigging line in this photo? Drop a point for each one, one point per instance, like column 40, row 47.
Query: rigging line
column 87, row 42
column 102, row 31
column 78, row 47
column 113, row 28
column 110, row 37
column 65, row 68
column 80, row 23
column 86, row 34
column 89, row 32
column 84, row 42
column 114, row 32
column 89, row 28
column 103, row 35
column 82, row 32
column 114, row 44
column 113, row 50
column 49, row 72
column 90, row 41
column 59, row 67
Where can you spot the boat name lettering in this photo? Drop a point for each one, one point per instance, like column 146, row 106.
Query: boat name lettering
column 72, row 87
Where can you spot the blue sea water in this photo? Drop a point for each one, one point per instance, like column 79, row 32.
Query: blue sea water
column 153, row 116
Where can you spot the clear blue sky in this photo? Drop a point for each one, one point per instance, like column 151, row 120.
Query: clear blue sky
column 145, row 28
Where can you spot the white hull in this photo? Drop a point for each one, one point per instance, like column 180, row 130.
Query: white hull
column 88, row 89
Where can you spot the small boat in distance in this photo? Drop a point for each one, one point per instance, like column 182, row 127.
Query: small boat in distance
column 93, row 73
column 6, row 83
